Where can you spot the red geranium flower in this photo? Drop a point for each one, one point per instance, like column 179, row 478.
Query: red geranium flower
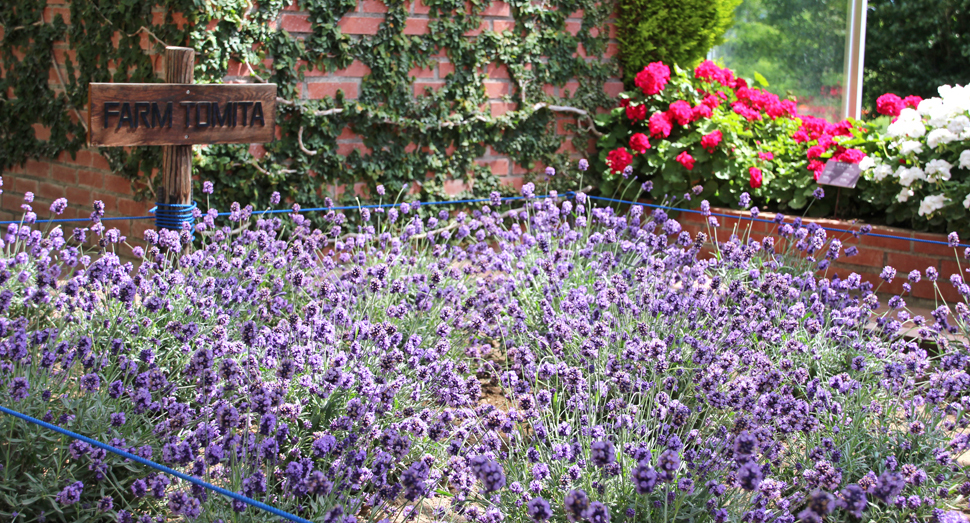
column 639, row 143
column 660, row 125
column 710, row 141
column 912, row 101
column 686, row 160
column 636, row 113
column 679, row 112
column 618, row 159
column 889, row 104
column 653, row 78
column 755, row 180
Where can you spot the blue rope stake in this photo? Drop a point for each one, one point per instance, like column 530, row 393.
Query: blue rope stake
column 163, row 468
column 173, row 215
column 188, row 211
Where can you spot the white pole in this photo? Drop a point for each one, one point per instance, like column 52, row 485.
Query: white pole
column 855, row 47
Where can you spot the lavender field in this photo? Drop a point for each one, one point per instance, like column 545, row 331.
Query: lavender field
column 536, row 360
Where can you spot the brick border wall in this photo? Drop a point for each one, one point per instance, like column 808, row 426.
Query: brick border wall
column 89, row 178
column 875, row 253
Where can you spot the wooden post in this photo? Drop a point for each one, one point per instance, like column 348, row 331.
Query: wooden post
column 177, row 159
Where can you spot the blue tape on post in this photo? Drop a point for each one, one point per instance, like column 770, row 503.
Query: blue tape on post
column 173, row 215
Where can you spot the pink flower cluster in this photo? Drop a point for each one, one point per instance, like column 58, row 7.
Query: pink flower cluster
column 891, row 105
column 653, row 78
column 823, row 132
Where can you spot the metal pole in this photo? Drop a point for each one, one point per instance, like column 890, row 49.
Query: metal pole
column 855, row 48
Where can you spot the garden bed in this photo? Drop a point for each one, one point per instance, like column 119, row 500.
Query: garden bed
column 558, row 362
column 906, row 251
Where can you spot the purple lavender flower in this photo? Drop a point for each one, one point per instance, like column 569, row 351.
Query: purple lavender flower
column 646, row 186
column 583, row 164
column 818, row 193
column 70, row 495
column 745, row 200
column 538, row 509
column 274, row 199
column 207, row 187
column 750, row 476
column 550, row 171
column 575, row 503
column 495, row 198
column 953, row 240
column 19, row 389
column 597, row 512
column 889, row 485
column 627, row 171
column 380, row 190
column 59, row 205
column 887, row 274
column 602, row 453
column 528, row 190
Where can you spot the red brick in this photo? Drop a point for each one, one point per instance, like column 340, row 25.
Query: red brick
column 894, row 244
column 925, row 290
column 296, row 23
column 475, row 32
column 416, row 26
column 420, row 8
column 453, row 187
column 903, row 263
column 373, row 6
column 79, row 196
column 500, row 108
column 497, row 71
column 38, row 169
column 420, row 87
column 356, row 70
column 41, row 132
column 949, row 267
column 611, row 50
column 573, row 27
column 515, row 182
column 497, row 8
column 867, row 257
column 500, row 26
column 92, row 179
column 99, row 162
column 321, row 89
column 292, row 7
column 499, row 167
column 445, row 68
column 64, row 174
column 562, row 125
column 359, row 25
column 257, row 150
column 51, row 13
column 50, row 191
column 117, row 184
column 497, row 89
column 932, row 249
column 612, row 88
column 419, row 72
column 129, row 207
column 23, row 185
column 347, row 134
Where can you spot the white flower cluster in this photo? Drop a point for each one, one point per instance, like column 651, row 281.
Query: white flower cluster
column 934, row 123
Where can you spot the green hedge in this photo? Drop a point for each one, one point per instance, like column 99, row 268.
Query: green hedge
column 671, row 31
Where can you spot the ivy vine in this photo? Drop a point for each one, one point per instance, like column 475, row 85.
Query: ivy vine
column 414, row 143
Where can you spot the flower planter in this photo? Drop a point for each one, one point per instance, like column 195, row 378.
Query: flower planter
column 905, row 252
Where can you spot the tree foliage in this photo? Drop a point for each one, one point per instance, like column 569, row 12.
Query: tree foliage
column 914, row 46
column 798, row 44
column 673, row 31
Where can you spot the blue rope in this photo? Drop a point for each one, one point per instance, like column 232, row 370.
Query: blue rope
column 163, row 468
column 508, row 199
column 174, row 216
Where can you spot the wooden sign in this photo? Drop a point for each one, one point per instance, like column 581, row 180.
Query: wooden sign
column 840, row 174
column 180, row 114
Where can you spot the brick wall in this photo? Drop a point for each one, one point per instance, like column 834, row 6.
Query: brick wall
column 875, row 253
column 87, row 177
